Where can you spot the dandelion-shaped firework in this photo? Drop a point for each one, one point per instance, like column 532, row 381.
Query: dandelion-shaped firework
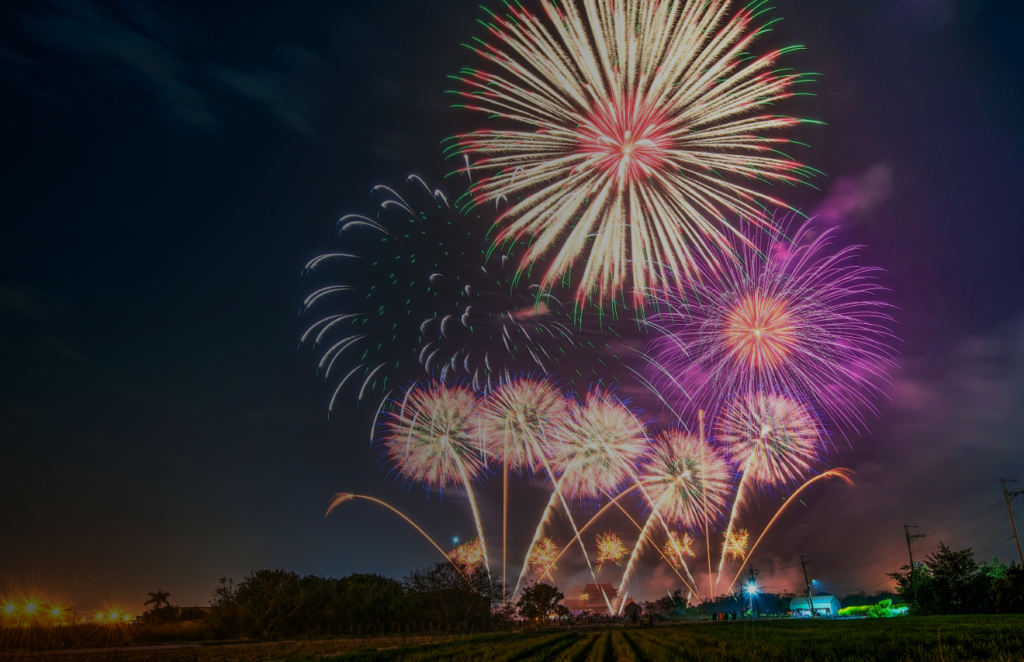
column 599, row 444
column 685, row 482
column 795, row 318
column 515, row 419
column 773, row 438
column 677, row 546
column 413, row 291
column 642, row 127
column 430, row 438
column 594, row 448
column 689, row 479
column 609, row 549
column 736, row 545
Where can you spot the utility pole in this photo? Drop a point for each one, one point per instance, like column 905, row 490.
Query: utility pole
column 810, row 600
column 752, row 586
column 1009, row 495
column 911, row 537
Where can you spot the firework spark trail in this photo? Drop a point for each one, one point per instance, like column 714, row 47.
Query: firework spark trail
column 593, row 448
column 557, row 498
column 679, row 473
column 707, row 524
column 844, row 474
column 732, row 520
column 430, row 439
column 613, row 501
column 342, row 497
column 639, row 118
column 518, row 411
column 512, row 425
column 788, row 316
column 654, row 517
column 774, row 439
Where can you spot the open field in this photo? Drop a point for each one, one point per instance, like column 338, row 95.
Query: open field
column 943, row 639
column 921, row 639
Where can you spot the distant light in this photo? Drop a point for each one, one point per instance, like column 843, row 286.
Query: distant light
column 30, row 607
column 751, row 588
column 56, row 611
column 455, row 540
column 9, row 609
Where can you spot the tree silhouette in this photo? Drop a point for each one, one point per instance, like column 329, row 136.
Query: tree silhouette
column 539, row 601
column 158, row 599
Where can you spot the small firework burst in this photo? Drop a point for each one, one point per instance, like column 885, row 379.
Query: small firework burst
column 677, row 546
column 774, row 439
column 610, row 548
column 468, row 555
column 736, row 545
column 544, row 558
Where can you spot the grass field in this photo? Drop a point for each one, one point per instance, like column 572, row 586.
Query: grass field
column 920, row 639
column 943, row 639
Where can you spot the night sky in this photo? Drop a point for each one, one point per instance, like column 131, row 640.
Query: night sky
column 169, row 169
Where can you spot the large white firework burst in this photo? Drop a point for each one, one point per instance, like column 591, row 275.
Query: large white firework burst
column 645, row 126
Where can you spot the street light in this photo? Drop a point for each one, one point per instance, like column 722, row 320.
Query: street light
column 751, row 590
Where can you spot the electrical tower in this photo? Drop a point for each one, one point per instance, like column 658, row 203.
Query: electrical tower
column 911, row 537
column 810, row 600
column 752, row 586
column 1009, row 494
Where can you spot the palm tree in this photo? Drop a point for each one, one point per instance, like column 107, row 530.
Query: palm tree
column 158, row 599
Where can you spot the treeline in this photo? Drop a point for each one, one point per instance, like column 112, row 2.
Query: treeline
column 675, row 607
column 951, row 582
column 270, row 604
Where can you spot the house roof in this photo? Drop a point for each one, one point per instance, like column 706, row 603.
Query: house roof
column 819, row 601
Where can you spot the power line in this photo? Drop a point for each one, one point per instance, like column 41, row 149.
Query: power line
column 968, row 520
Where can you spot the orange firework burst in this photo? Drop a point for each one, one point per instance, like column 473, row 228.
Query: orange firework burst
column 610, row 548
column 468, row 555
column 598, row 446
column 736, row 545
column 760, row 332
column 544, row 558
column 678, row 546
column 773, row 438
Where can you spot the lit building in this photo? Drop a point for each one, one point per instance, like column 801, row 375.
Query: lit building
column 591, row 599
column 824, row 605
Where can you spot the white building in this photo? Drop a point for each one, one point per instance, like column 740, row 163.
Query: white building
column 824, row 605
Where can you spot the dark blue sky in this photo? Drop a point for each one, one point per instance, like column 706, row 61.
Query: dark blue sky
column 168, row 169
